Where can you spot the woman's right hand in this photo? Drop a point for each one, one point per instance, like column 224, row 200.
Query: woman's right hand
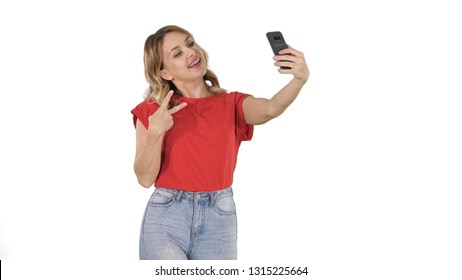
column 162, row 119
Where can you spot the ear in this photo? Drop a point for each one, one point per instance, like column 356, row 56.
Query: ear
column 165, row 75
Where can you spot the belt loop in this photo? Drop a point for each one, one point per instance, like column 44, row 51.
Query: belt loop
column 212, row 199
column 179, row 195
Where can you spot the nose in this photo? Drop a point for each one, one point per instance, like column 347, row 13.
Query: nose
column 190, row 52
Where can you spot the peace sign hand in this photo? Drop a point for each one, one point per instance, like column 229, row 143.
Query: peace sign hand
column 162, row 119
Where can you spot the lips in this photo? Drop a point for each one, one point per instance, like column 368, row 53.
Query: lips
column 195, row 62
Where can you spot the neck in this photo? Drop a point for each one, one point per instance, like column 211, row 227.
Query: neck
column 197, row 90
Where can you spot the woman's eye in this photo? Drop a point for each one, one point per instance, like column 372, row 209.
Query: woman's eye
column 177, row 54
column 191, row 44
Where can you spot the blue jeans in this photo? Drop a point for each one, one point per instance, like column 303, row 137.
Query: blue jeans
column 180, row 225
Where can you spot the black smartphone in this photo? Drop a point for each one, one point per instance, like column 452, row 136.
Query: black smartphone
column 277, row 43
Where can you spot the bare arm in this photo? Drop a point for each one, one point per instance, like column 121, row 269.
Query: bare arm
column 261, row 110
column 148, row 153
column 149, row 142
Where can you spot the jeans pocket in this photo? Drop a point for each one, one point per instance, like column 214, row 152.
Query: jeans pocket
column 225, row 206
column 161, row 198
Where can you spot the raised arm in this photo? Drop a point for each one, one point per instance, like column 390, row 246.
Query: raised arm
column 261, row 110
column 149, row 142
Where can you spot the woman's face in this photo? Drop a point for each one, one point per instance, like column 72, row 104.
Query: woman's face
column 183, row 58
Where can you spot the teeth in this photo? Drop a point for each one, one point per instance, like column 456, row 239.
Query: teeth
column 195, row 62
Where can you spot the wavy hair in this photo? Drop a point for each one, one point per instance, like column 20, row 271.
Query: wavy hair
column 153, row 61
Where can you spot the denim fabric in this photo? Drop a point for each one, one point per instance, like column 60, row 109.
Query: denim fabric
column 179, row 225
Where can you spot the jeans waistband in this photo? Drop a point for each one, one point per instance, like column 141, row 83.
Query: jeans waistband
column 198, row 196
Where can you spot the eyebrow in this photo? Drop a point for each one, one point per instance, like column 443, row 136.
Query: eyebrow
column 176, row 47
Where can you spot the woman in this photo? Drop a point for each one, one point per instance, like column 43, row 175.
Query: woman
column 188, row 132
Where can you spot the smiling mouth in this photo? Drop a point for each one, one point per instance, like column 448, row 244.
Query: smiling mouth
column 198, row 60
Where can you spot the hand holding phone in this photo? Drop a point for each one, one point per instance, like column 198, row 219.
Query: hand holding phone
column 277, row 43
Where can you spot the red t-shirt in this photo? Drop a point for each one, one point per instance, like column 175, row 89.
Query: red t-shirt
column 199, row 152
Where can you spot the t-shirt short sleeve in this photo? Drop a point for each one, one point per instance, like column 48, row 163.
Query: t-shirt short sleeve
column 142, row 112
column 244, row 131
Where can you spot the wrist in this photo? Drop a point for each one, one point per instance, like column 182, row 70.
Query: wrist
column 301, row 81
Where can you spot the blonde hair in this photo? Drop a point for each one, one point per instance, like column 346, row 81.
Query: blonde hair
column 153, row 61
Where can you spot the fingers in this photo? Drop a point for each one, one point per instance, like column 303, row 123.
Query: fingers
column 289, row 55
column 167, row 99
column 289, row 62
column 294, row 59
column 177, row 108
column 290, row 51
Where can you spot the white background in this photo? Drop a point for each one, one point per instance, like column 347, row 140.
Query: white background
column 359, row 179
